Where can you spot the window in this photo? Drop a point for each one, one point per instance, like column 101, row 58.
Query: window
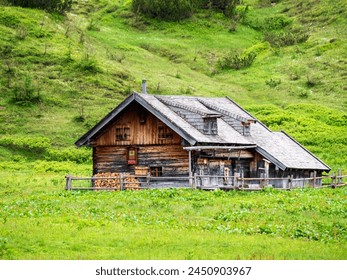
column 246, row 129
column 156, row 171
column 210, row 126
column 122, row 133
column 143, row 117
column 164, row 132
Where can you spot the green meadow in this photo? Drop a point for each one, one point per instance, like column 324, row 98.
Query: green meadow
column 173, row 224
column 285, row 62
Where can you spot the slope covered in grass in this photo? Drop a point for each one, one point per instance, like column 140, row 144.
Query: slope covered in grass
column 61, row 74
column 284, row 61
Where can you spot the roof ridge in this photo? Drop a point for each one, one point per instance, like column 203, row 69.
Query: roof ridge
column 224, row 112
column 183, row 106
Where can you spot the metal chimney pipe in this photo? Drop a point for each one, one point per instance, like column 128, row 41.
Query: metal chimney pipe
column 144, row 86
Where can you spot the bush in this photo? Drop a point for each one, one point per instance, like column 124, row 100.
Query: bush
column 82, row 155
column 59, row 6
column 283, row 39
column 88, row 65
column 167, row 10
column 273, row 82
column 24, row 93
column 181, row 9
column 37, row 144
column 221, row 5
column 236, row 62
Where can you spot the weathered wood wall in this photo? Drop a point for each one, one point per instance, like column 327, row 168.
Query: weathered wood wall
column 143, row 130
column 156, row 145
column 172, row 158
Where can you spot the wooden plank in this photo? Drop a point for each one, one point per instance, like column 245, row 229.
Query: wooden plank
column 142, row 132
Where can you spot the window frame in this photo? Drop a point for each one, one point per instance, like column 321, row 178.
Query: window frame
column 164, row 132
column 122, row 133
column 156, row 171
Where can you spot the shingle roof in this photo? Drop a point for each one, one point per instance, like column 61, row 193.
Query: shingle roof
column 185, row 114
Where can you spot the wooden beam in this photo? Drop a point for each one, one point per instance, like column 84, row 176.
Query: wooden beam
column 197, row 148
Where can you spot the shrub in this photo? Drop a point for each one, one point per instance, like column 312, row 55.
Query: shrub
column 24, row 92
column 221, row 5
column 236, row 62
column 82, row 155
column 276, row 22
column 88, row 65
column 167, row 10
column 9, row 20
column 288, row 38
column 37, row 144
column 273, row 82
column 59, row 6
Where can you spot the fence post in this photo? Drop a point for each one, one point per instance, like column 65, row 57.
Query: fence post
column 261, row 181
column 236, row 180
column 121, row 182
column 333, row 177
column 339, row 177
column 242, row 181
column 148, row 178
column 68, row 185
column 290, row 183
column 314, row 178
column 195, row 181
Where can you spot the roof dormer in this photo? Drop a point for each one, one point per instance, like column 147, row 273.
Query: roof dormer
column 210, row 124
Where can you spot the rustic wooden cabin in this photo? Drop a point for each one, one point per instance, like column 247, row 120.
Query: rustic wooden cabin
column 214, row 138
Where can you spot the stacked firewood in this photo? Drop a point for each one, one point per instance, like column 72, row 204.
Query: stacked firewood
column 132, row 183
column 113, row 180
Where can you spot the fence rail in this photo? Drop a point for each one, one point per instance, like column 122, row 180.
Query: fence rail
column 132, row 182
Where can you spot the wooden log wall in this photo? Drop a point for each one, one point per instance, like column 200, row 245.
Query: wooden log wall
column 172, row 158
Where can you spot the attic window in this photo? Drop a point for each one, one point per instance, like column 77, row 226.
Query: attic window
column 143, row 117
column 246, row 128
column 210, row 125
column 164, row 132
column 122, row 133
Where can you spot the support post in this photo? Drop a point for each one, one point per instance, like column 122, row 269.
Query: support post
column 314, row 179
column 236, row 177
column 290, row 182
column 242, row 181
column 195, row 181
column 148, row 178
column 190, row 169
column 261, row 181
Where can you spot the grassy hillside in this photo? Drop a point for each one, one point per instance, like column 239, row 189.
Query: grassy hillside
column 59, row 74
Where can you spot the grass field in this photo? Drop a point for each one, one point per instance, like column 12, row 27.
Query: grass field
column 39, row 220
column 59, row 75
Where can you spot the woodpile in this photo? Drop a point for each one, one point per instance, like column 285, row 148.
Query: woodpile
column 113, row 181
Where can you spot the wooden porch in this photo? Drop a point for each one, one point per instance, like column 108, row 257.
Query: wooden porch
column 131, row 182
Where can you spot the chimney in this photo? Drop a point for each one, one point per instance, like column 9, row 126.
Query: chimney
column 144, row 86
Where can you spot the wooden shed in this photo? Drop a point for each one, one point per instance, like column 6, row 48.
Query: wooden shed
column 213, row 138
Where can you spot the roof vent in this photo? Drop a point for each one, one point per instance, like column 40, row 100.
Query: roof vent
column 144, row 86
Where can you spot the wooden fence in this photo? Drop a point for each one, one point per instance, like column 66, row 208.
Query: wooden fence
column 131, row 182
